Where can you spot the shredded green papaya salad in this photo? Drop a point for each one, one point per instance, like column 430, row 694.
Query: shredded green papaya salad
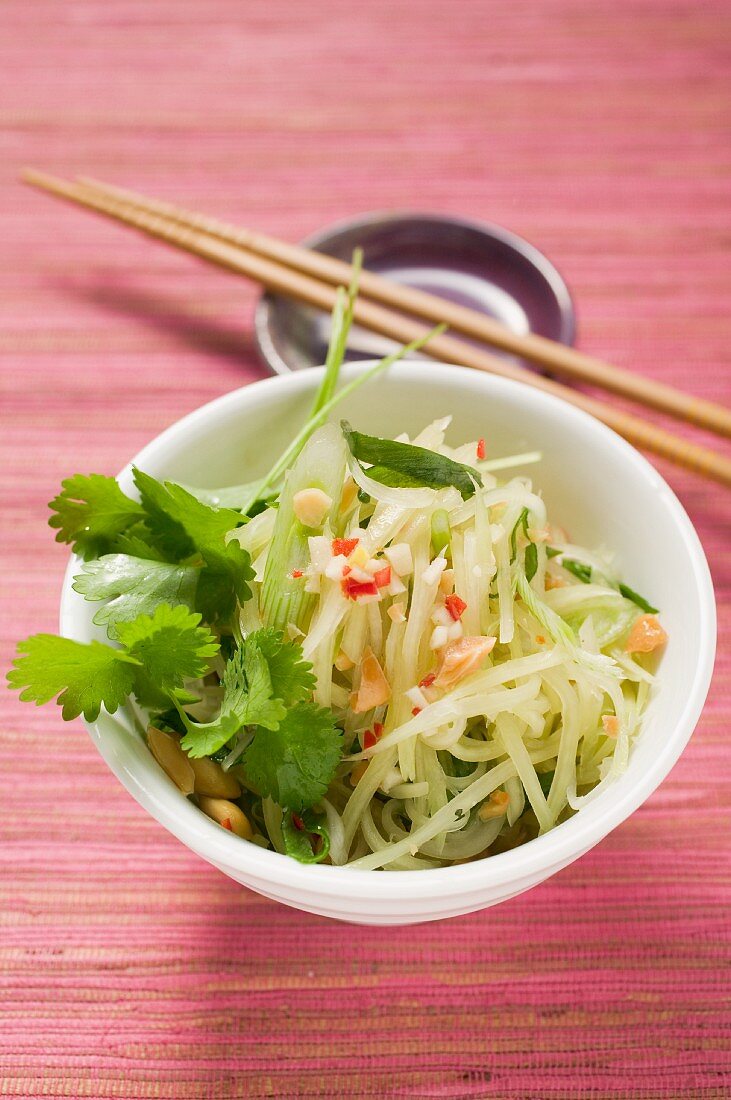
column 384, row 654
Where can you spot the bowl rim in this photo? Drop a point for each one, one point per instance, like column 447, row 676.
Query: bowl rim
column 551, row 850
column 555, row 281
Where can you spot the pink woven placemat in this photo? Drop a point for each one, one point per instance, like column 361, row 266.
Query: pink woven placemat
column 129, row 968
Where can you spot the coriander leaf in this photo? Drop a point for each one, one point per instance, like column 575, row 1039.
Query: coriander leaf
column 637, row 599
column 138, row 542
column 91, row 512
column 168, row 720
column 170, row 645
column 207, row 738
column 183, row 526
column 247, row 686
column 531, row 561
column 247, row 700
column 411, row 464
column 134, row 586
column 298, row 833
column 85, row 677
column 295, row 763
column 223, row 582
column 261, row 679
column 292, row 678
column 578, row 568
column 180, row 523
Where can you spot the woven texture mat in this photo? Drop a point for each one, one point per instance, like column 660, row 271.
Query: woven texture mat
column 130, row 968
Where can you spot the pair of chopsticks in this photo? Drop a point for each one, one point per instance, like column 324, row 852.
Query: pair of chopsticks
column 390, row 309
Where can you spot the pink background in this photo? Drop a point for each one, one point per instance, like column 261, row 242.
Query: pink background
column 600, row 131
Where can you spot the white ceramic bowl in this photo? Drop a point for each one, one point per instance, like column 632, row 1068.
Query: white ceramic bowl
column 595, row 484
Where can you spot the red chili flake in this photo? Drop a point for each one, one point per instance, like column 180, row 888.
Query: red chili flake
column 227, row 824
column 382, row 577
column 347, row 569
column 415, row 711
column 456, row 606
column 344, row 546
column 371, row 736
column 296, row 574
column 428, row 680
column 352, row 589
column 480, row 448
column 298, row 822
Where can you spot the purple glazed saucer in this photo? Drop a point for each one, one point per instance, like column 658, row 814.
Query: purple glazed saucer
column 473, row 263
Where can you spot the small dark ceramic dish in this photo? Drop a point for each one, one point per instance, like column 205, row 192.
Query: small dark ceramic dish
column 473, row 263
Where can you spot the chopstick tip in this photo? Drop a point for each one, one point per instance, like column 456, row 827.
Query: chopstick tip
column 35, row 178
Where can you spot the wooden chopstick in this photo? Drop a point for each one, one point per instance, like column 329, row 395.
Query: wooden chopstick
column 293, row 284
column 561, row 360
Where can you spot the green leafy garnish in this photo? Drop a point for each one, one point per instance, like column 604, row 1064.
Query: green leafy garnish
column 91, row 512
column 441, row 533
column 261, row 679
column 85, row 677
column 158, row 653
column 406, row 465
column 295, row 763
column 552, row 552
column 298, row 833
column 531, row 550
column 583, row 573
column 170, row 645
column 134, row 586
column 637, row 599
column 184, row 527
column 292, row 678
column 578, row 568
column 168, row 525
column 521, row 521
column 531, row 561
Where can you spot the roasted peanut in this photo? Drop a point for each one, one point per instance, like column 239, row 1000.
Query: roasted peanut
column 212, row 780
column 227, row 814
column 495, row 806
column 166, row 749
column 358, row 772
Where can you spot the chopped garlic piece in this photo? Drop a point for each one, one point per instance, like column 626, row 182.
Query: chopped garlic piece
column 439, row 637
column 334, row 568
column 433, row 572
column 320, row 552
column 400, row 557
column 359, row 557
column 396, row 586
column 441, row 617
column 416, row 696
